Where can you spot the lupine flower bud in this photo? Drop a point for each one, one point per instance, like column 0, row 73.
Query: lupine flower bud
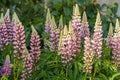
column 35, row 45
column 9, row 26
column 76, row 24
column 116, row 45
column 97, row 37
column 18, row 37
column 6, row 69
column 84, row 28
column 3, row 33
column 61, row 23
column 109, row 37
column 48, row 22
column 54, row 36
column 88, row 56
column 28, row 66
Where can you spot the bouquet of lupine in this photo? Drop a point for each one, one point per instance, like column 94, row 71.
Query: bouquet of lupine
column 69, row 52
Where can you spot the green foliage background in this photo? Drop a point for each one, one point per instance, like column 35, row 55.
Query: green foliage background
column 33, row 12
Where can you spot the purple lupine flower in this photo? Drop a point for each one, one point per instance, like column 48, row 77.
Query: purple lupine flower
column 9, row 26
column 88, row 56
column 85, row 26
column 48, row 22
column 28, row 66
column 109, row 37
column 116, row 45
column 54, row 36
column 6, row 69
column 18, row 37
column 76, row 24
column 35, row 45
column 97, row 38
column 67, row 45
column 3, row 33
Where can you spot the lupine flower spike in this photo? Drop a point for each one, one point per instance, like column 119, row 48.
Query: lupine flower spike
column 28, row 66
column 110, row 35
column 85, row 26
column 9, row 26
column 97, row 37
column 6, row 69
column 18, row 38
column 3, row 33
column 35, row 45
column 116, row 45
column 88, row 56
column 60, row 43
column 76, row 24
column 54, row 35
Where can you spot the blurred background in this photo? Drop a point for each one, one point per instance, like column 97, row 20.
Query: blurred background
column 33, row 12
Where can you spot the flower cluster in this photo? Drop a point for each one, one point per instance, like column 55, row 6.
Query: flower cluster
column 35, row 45
column 116, row 45
column 85, row 26
column 88, row 56
column 97, row 38
column 6, row 69
column 76, row 24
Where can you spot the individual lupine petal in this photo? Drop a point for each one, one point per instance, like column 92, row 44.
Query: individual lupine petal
column 6, row 69
column 76, row 24
column 28, row 66
column 88, row 56
column 85, row 26
column 35, row 45
column 61, row 22
column 110, row 35
column 9, row 26
column 97, row 37
column 116, row 45
column 3, row 33
column 48, row 22
column 18, row 37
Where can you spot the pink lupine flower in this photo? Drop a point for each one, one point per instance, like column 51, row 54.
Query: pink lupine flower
column 18, row 37
column 116, row 45
column 3, row 33
column 35, row 45
column 109, row 37
column 67, row 45
column 54, row 36
column 28, row 66
column 76, row 24
column 97, row 38
column 48, row 22
column 88, row 56
column 6, row 69
column 85, row 26
column 9, row 26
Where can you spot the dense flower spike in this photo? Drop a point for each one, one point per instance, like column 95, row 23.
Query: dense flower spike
column 116, row 45
column 48, row 22
column 9, row 27
column 54, row 36
column 109, row 37
column 35, row 45
column 6, row 69
column 67, row 45
column 28, row 65
column 97, row 37
column 76, row 24
column 18, row 38
column 88, row 56
column 85, row 26
column 3, row 33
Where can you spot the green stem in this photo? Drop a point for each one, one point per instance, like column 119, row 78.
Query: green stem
column 85, row 75
column 67, row 73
